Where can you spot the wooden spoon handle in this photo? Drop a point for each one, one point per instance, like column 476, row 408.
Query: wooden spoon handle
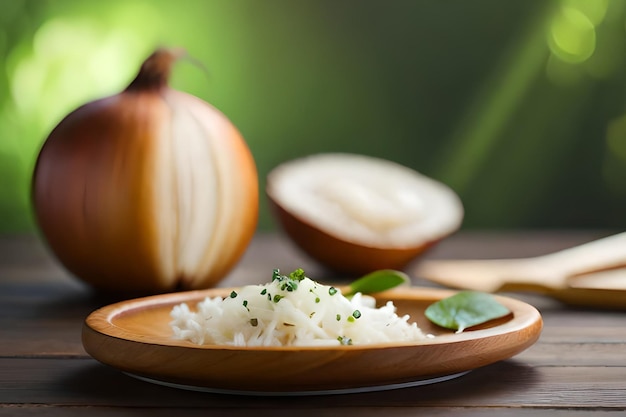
column 541, row 273
column 597, row 255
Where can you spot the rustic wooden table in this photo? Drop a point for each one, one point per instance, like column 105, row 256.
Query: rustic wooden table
column 578, row 367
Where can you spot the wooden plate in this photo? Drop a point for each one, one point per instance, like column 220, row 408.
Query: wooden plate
column 135, row 337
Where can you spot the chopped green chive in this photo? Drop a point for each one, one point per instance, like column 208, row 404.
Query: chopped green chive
column 297, row 275
column 233, row 294
column 289, row 286
column 288, row 282
column 345, row 341
column 264, row 291
column 338, row 317
column 356, row 314
column 332, row 291
column 275, row 274
column 277, row 298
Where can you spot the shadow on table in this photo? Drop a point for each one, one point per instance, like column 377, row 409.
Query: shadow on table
column 96, row 384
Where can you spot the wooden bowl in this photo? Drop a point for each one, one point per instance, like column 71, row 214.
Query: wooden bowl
column 135, row 337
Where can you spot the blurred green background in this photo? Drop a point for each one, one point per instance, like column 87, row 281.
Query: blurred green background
column 518, row 105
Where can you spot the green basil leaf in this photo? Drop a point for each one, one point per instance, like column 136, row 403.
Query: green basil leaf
column 465, row 309
column 377, row 281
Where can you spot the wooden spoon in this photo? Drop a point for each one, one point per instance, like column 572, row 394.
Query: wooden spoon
column 591, row 274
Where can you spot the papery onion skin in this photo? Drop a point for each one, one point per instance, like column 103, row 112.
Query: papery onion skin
column 147, row 191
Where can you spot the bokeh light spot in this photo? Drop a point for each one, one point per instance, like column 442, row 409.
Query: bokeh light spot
column 572, row 36
column 56, row 77
column 594, row 10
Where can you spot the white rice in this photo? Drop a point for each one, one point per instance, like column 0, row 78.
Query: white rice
column 273, row 315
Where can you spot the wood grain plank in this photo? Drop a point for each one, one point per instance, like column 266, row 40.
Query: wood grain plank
column 575, row 326
column 574, row 354
column 313, row 411
column 43, row 319
column 577, row 368
column 42, row 338
column 82, row 382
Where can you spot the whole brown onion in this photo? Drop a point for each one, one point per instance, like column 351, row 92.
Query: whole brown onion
column 149, row 190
